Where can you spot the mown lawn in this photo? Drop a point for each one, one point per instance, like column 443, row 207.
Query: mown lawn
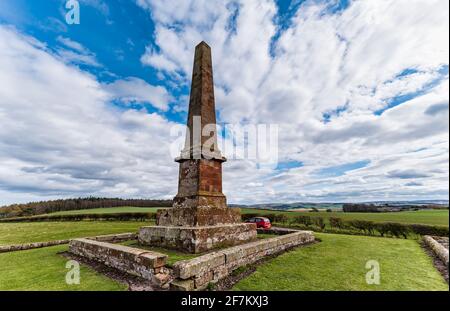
column 338, row 263
column 44, row 269
column 18, row 233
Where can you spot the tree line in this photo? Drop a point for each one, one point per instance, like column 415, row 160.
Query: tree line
column 45, row 207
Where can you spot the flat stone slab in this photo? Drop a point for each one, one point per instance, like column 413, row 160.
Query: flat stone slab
column 199, row 238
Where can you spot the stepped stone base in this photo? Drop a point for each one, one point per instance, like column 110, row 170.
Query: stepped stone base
column 198, row 216
column 197, row 239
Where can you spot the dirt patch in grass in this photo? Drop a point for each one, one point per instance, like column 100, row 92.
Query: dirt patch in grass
column 437, row 262
column 134, row 283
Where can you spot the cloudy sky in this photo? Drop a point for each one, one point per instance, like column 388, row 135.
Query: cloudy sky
column 359, row 90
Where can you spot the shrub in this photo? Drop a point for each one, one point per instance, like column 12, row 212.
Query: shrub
column 246, row 217
column 329, row 210
column 319, row 222
column 79, row 217
column 270, row 216
column 336, row 223
column 281, row 218
column 394, row 229
column 382, row 228
column 365, row 226
column 429, row 230
column 304, row 220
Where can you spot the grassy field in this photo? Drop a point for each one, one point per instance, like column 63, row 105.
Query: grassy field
column 338, row 263
column 123, row 209
column 45, row 269
column 17, row 233
column 427, row 217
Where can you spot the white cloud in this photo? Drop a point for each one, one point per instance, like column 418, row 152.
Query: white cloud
column 137, row 90
column 75, row 53
column 61, row 138
column 320, row 63
column 72, row 44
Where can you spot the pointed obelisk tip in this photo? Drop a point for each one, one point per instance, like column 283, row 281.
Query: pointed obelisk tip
column 203, row 43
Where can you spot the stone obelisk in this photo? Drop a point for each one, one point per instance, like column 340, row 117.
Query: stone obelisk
column 200, row 219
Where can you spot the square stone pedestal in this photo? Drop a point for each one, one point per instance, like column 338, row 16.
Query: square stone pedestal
column 197, row 239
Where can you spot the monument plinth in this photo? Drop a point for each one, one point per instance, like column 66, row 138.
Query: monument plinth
column 199, row 219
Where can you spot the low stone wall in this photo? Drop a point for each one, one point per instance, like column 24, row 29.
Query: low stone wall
column 113, row 238
column 146, row 264
column 197, row 273
column 437, row 248
column 22, row 247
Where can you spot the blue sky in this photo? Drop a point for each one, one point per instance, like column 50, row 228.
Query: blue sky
column 359, row 90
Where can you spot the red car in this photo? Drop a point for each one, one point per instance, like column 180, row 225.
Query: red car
column 261, row 222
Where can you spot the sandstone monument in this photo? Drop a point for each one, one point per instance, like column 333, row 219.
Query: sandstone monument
column 200, row 219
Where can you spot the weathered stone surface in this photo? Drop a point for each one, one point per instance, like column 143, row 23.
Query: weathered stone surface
column 115, row 238
column 202, row 212
column 187, row 268
column 161, row 278
column 182, row 285
column 201, row 105
column 197, row 239
column 200, row 219
column 106, row 238
column 21, row 247
column 211, row 268
column 439, row 249
column 128, row 259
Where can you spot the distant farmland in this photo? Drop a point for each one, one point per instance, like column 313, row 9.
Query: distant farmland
column 427, row 217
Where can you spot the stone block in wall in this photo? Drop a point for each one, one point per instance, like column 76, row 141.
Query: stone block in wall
column 202, row 280
column 115, row 238
column 189, row 268
column 182, row 285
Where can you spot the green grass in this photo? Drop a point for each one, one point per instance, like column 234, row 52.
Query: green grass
column 110, row 210
column 45, row 269
column 426, row 217
column 338, row 263
column 18, row 233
